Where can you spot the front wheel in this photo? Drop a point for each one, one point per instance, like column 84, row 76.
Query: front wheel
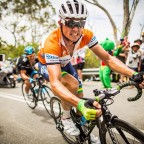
column 46, row 94
column 56, row 111
column 30, row 99
column 12, row 83
column 121, row 132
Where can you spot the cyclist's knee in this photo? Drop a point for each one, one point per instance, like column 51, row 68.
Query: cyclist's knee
column 28, row 84
column 65, row 105
column 80, row 95
column 36, row 76
column 71, row 84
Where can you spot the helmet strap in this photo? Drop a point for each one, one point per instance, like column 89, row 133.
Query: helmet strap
column 66, row 37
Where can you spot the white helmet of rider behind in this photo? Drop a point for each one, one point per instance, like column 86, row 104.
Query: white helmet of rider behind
column 73, row 9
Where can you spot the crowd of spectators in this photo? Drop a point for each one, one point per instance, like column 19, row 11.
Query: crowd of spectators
column 132, row 55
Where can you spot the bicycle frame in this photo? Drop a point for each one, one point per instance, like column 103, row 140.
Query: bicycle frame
column 110, row 127
column 103, row 123
column 84, row 135
column 33, row 91
column 39, row 84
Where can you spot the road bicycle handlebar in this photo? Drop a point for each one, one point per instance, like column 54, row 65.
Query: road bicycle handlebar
column 107, row 94
column 130, row 83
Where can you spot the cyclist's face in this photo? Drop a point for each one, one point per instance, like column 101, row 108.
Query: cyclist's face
column 135, row 48
column 31, row 57
column 72, row 29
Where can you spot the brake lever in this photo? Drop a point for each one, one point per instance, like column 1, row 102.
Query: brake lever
column 112, row 92
column 98, row 92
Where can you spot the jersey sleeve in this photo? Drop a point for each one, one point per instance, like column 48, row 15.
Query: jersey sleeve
column 89, row 38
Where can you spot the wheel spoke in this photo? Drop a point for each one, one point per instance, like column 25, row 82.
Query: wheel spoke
column 30, row 100
column 46, row 94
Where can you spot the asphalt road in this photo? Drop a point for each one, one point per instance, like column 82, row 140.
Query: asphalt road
column 21, row 125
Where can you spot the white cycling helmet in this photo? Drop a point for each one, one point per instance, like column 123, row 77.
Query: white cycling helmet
column 73, row 9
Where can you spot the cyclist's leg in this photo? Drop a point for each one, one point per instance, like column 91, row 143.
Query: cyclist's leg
column 72, row 85
column 33, row 74
column 71, row 80
column 27, row 87
column 70, row 69
column 78, row 89
column 27, row 83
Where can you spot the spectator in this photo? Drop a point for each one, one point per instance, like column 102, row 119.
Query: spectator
column 81, row 62
column 125, row 41
column 134, row 57
column 142, row 45
column 142, row 52
column 139, row 41
column 123, row 55
column 74, row 62
column 80, row 66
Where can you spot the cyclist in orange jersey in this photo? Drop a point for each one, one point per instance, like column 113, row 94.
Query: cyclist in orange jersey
column 56, row 50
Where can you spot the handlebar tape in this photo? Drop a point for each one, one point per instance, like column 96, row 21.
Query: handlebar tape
column 129, row 83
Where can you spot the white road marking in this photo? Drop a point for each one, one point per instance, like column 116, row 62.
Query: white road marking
column 16, row 97
column 21, row 99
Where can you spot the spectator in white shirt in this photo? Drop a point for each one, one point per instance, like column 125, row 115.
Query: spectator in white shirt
column 134, row 57
column 142, row 50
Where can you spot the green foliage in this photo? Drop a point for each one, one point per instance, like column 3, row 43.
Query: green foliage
column 91, row 61
column 27, row 18
column 14, row 52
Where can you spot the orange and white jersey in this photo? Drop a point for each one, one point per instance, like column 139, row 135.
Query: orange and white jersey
column 53, row 50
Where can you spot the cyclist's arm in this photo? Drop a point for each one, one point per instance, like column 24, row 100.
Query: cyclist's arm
column 23, row 75
column 115, row 64
column 58, row 88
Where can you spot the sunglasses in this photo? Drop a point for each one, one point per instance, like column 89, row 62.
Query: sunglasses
column 30, row 55
column 74, row 23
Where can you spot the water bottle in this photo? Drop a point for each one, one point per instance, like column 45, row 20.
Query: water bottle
column 83, row 121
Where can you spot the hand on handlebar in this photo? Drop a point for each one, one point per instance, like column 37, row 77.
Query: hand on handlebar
column 90, row 109
column 139, row 79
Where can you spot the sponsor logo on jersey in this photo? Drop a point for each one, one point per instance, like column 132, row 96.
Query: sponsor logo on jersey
column 93, row 41
column 49, row 58
column 65, row 60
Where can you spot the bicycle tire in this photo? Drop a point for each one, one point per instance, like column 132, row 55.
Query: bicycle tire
column 46, row 94
column 12, row 83
column 121, row 132
column 30, row 101
column 56, row 111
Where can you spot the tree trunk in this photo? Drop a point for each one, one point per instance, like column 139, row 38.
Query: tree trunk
column 110, row 18
column 127, row 18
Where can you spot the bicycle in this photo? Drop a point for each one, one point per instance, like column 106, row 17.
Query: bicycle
column 111, row 129
column 38, row 92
